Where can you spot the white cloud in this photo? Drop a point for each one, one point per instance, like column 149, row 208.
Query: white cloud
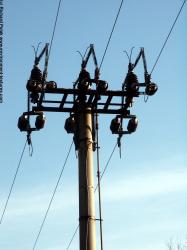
column 146, row 185
column 35, row 201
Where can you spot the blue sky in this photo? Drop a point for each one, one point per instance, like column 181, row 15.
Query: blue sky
column 144, row 194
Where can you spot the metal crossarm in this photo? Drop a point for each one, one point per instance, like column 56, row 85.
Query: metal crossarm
column 108, row 102
column 66, row 103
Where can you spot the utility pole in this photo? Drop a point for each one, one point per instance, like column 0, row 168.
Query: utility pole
column 83, row 103
column 86, row 179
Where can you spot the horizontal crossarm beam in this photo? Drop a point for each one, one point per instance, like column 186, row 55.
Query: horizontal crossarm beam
column 65, row 100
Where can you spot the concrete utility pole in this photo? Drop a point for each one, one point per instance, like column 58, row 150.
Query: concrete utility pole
column 86, row 180
column 82, row 103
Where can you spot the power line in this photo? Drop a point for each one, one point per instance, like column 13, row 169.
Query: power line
column 99, row 182
column 111, row 34
column 105, row 168
column 50, row 48
column 168, row 36
column 13, row 182
column 72, row 238
column 52, row 197
column 54, row 29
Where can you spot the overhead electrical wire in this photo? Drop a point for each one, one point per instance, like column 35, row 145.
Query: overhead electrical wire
column 112, row 31
column 72, row 238
column 99, row 181
column 103, row 172
column 106, row 166
column 52, row 197
column 13, row 182
column 14, row 179
column 168, row 36
column 87, row 184
column 55, row 24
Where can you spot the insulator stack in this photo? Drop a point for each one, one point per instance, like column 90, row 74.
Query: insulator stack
column 70, row 125
column 34, row 84
column 115, row 125
column 40, row 121
column 23, row 123
column 131, row 82
column 36, row 74
column 84, row 80
column 132, row 125
column 151, row 88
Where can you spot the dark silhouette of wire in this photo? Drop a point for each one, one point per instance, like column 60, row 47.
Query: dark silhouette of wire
column 52, row 197
column 54, row 29
column 168, row 36
column 111, row 34
column 99, row 181
column 13, row 182
column 72, row 238
column 105, row 168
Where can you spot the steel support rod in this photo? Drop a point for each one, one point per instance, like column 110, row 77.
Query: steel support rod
column 86, row 179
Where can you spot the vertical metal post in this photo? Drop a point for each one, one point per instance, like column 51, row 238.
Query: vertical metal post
column 86, row 179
